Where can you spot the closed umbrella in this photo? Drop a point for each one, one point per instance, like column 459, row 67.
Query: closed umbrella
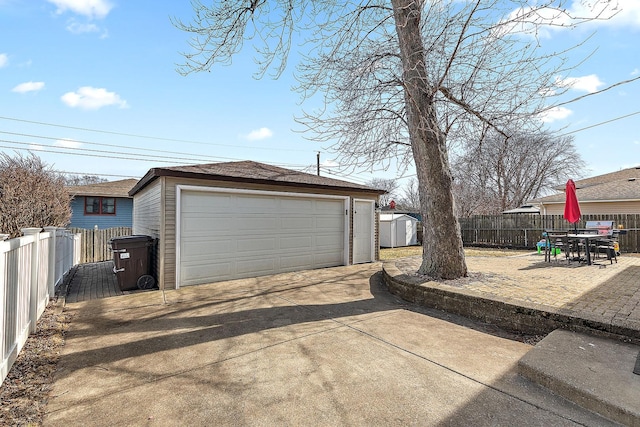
column 571, row 206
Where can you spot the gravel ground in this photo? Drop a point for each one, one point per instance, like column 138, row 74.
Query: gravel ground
column 24, row 393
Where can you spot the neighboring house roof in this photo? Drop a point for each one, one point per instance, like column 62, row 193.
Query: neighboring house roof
column 391, row 216
column 119, row 188
column 250, row 172
column 529, row 209
column 615, row 186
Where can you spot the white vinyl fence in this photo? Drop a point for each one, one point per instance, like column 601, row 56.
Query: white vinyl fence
column 30, row 268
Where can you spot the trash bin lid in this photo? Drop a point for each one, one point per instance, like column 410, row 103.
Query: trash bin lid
column 130, row 239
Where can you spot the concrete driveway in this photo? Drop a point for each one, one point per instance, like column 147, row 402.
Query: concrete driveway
column 323, row 347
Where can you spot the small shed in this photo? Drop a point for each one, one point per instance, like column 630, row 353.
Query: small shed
column 226, row 221
column 398, row 230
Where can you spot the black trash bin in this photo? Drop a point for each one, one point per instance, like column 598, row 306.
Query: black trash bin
column 132, row 261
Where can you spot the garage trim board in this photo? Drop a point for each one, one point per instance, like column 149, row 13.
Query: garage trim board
column 229, row 233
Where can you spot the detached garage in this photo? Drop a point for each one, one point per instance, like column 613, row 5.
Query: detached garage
column 236, row 220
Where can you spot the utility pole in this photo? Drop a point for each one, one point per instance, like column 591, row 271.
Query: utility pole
column 318, row 162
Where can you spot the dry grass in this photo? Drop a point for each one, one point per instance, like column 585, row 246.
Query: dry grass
column 394, row 253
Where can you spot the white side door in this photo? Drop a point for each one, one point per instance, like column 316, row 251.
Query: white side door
column 363, row 231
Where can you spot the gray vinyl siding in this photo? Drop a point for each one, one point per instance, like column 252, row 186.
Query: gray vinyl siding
column 147, row 220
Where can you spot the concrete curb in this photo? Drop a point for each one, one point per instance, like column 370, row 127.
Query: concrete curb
column 520, row 317
column 593, row 372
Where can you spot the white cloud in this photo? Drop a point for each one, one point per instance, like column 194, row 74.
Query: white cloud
column 555, row 113
column 258, row 134
column 544, row 21
column 590, row 83
column 67, row 143
column 36, row 147
column 91, row 98
column 77, row 28
column 330, row 163
column 4, row 59
column 635, row 72
column 92, row 9
column 28, row 87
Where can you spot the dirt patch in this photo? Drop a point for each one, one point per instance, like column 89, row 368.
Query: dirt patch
column 24, row 393
column 408, row 251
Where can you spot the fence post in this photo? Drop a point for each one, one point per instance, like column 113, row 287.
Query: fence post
column 4, row 369
column 51, row 285
column 33, row 301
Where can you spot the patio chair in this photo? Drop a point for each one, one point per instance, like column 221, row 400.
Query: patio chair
column 606, row 246
column 557, row 241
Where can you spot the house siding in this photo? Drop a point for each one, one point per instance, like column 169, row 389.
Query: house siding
column 147, row 220
column 596, row 208
column 167, row 245
column 122, row 218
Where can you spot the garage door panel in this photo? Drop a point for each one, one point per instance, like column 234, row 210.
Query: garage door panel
column 329, row 205
column 294, row 222
column 254, row 203
column 256, row 266
column 205, row 248
column 255, row 244
column 200, row 202
column 296, row 205
column 329, row 240
column 257, row 223
column 326, row 259
column 295, row 242
column 257, row 234
column 298, row 262
column 195, row 225
column 329, row 223
column 199, row 273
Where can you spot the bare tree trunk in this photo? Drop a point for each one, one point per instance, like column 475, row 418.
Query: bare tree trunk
column 442, row 253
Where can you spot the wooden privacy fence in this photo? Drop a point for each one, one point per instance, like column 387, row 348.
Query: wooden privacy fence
column 95, row 243
column 525, row 230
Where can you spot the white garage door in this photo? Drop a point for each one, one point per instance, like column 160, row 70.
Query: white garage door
column 228, row 235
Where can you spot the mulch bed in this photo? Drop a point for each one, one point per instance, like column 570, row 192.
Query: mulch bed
column 24, row 393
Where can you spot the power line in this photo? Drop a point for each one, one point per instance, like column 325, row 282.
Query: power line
column 95, row 143
column 104, row 153
column 601, row 123
column 156, row 138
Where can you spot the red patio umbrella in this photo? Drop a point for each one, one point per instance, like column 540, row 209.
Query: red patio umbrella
column 571, row 206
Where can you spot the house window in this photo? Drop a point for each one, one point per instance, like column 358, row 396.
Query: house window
column 99, row 206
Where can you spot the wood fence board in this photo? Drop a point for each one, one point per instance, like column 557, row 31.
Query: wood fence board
column 95, row 243
column 525, row 230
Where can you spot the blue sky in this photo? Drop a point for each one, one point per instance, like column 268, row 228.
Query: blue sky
column 100, row 75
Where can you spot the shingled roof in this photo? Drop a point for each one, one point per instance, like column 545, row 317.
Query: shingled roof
column 103, row 189
column 615, row 186
column 250, row 172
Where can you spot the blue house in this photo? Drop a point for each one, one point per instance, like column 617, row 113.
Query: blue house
column 102, row 205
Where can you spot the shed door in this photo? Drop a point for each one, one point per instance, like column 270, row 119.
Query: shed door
column 227, row 235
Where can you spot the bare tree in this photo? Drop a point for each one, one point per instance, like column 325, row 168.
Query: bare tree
column 502, row 173
column 403, row 80
column 31, row 195
column 82, row 179
column 410, row 198
column 389, row 185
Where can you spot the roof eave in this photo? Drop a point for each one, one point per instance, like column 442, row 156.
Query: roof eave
column 158, row 172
